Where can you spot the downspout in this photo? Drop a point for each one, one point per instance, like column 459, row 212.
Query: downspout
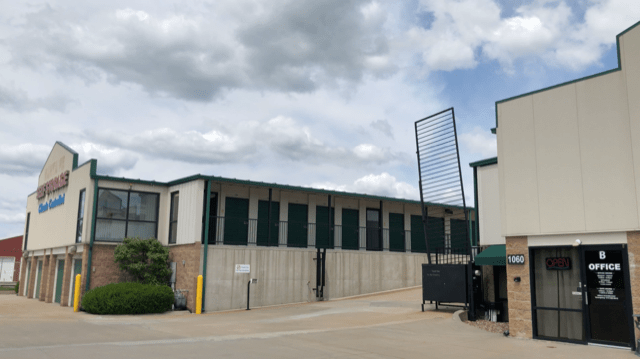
column 93, row 222
column 206, row 241
column 475, row 201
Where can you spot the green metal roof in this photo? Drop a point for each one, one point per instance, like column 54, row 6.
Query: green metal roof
column 485, row 162
column 493, row 256
column 269, row 185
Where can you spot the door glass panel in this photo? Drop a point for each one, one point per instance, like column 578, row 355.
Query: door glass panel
column 560, row 324
column 557, row 287
column 607, row 296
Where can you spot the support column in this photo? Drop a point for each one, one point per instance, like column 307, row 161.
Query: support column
column 633, row 251
column 32, row 276
column 519, row 293
column 50, row 288
column 68, row 265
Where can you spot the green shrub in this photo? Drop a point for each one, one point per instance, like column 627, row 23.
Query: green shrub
column 17, row 286
column 145, row 260
column 128, row 298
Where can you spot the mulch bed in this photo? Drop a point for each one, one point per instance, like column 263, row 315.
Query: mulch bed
column 489, row 326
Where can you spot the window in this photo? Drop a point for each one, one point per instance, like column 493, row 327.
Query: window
column 173, row 217
column 80, row 216
column 26, row 231
column 122, row 214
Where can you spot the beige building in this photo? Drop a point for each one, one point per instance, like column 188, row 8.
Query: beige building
column 75, row 218
column 569, row 203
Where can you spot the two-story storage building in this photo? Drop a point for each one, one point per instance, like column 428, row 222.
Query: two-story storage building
column 75, row 218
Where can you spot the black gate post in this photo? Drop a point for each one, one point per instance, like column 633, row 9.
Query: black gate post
column 470, row 293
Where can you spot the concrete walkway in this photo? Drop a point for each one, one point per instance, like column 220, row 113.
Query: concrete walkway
column 388, row 325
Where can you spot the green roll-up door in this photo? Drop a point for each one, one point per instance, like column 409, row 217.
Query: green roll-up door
column 236, row 229
column 59, row 281
column 435, row 234
column 263, row 223
column 38, row 279
column 298, row 225
column 324, row 231
column 459, row 236
column 396, row 232
column 350, row 227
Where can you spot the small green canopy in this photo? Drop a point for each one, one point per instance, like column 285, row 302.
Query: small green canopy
column 492, row 256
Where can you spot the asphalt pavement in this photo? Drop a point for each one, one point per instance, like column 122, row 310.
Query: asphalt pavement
column 385, row 325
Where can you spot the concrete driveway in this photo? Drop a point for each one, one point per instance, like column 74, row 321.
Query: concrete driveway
column 387, row 325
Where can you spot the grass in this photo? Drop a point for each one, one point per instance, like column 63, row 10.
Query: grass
column 7, row 288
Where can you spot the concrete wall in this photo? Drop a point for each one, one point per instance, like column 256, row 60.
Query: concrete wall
column 570, row 155
column 288, row 275
column 489, row 205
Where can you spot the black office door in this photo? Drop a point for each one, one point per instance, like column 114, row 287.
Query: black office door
column 607, row 297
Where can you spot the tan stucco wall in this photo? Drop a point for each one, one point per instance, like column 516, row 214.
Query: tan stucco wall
column 56, row 227
column 569, row 157
column 489, row 205
column 189, row 212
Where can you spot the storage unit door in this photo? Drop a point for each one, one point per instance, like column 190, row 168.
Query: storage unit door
column 298, row 224
column 264, row 226
column 6, row 269
column 459, row 236
column 236, row 224
column 435, row 231
column 59, row 281
column 396, row 232
column 350, row 228
column 324, row 230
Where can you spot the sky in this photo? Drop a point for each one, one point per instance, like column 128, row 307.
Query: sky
column 316, row 93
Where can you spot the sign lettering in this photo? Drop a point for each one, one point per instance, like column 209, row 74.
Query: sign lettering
column 53, row 185
column 561, row 263
column 515, row 259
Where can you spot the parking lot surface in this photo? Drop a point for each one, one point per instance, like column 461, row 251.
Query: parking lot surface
column 385, row 325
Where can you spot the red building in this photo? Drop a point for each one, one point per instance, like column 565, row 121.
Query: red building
column 10, row 254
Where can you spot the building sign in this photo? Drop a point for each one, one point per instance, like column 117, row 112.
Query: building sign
column 515, row 259
column 51, row 204
column 53, row 185
column 604, row 275
column 560, row 263
column 243, row 268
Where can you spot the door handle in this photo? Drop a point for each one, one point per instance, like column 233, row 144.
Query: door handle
column 586, row 298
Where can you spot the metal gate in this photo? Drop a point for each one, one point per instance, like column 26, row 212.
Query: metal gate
column 451, row 278
column 321, row 256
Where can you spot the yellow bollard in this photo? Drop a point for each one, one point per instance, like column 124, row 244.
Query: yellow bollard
column 76, row 294
column 199, row 296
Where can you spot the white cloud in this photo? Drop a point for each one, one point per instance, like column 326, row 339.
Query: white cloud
column 465, row 32
column 12, row 218
column 480, row 141
column 23, row 159
column 383, row 184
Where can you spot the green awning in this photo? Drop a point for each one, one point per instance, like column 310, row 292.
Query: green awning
column 492, row 256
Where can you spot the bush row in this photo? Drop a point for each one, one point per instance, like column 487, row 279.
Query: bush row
column 128, row 298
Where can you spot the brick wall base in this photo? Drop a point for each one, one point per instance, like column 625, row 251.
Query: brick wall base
column 633, row 250
column 106, row 269
column 187, row 273
column 519, row 293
